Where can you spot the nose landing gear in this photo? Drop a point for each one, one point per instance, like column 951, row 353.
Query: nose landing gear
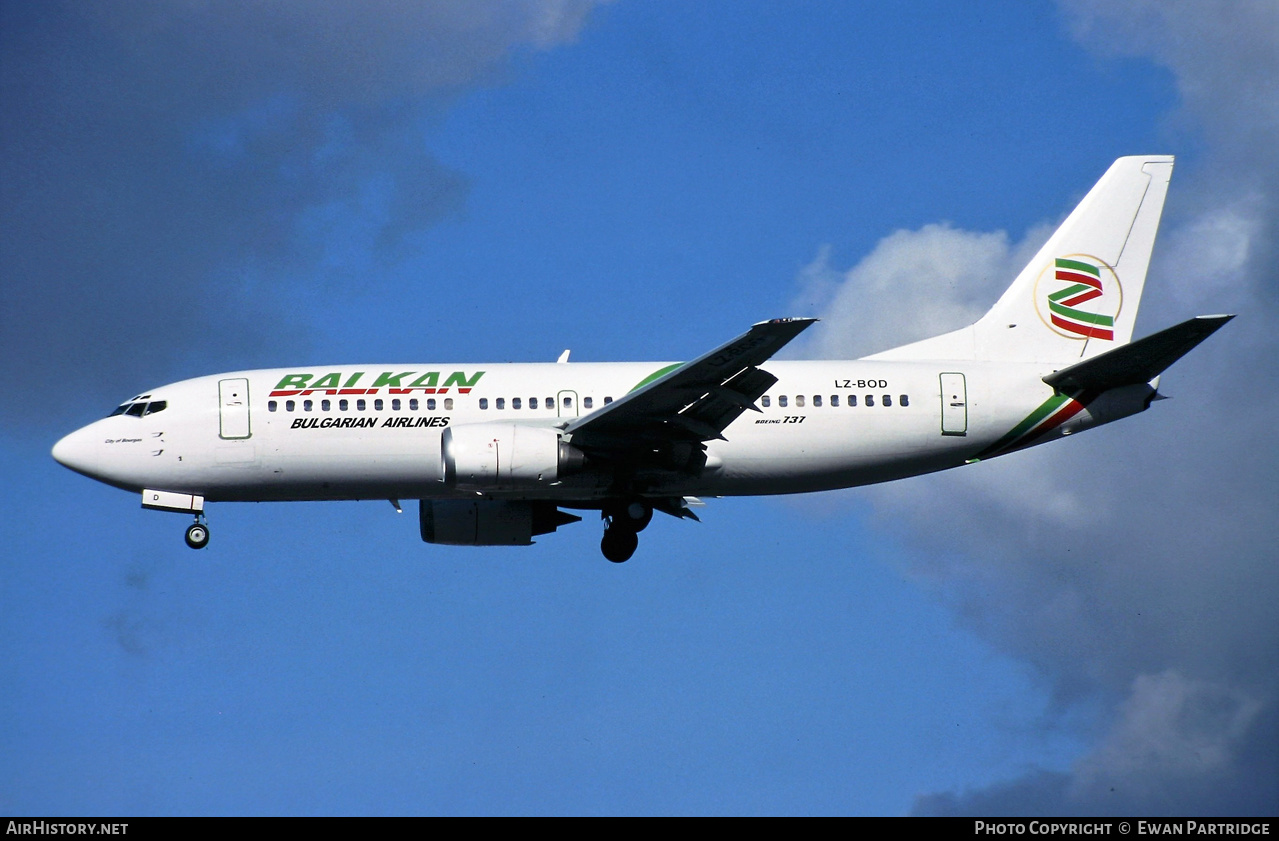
column 621, row 533
column 197, row 534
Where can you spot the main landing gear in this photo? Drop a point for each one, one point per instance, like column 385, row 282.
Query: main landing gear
column 622, row 528
column 198, row 533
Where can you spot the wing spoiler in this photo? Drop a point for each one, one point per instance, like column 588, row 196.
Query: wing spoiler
column 693, row 402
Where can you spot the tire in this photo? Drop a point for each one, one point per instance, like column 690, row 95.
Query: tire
column 197, row 535
column 619, row 544
column 645, row 515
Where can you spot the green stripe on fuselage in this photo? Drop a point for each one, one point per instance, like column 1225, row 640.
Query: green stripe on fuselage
column 1028, row 423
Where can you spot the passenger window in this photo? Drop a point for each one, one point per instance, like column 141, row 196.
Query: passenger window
column 608, row 400
column 516, row 403
column 430, row 404
column 550, row 403
column 903, row 400
column 799, row 400
column 501, row 402
column 344, row 404
column 308, row 405
column 532, row 402
column 360, row 405
column 817, row 400
column 870, row 400
column 765, row 400
column 325, row 405
column 834, row 399
column 888, row 400
column 289, row 405
column 271, row 406
column 587, row 402
column 413, row 404
column 568, row 402
column 377, row 405
column 395, row 405
column 781, row 401
column 852, row 400
column 448, row 404
column 484, row 402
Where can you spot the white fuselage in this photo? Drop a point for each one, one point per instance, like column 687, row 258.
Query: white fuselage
column 823, row 425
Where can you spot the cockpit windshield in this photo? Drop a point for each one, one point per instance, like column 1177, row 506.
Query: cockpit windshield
column 138, row 408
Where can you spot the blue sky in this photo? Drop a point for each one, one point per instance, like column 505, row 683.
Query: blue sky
column 1085, row 628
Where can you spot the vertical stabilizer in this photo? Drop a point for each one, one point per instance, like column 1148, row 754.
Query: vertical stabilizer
column 1078, row 297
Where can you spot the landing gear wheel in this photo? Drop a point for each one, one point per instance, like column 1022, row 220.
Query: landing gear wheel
column 630, row 516
column 637, row 515
column 619, row 544
column 197, row 535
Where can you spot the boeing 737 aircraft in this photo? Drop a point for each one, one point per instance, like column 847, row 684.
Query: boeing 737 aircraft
column 494, row 452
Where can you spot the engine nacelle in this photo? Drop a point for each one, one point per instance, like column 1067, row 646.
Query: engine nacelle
column 488, row 522
column 491, row 456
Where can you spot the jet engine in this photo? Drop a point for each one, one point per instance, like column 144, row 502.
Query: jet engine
column 488, row 522
column 491, row 456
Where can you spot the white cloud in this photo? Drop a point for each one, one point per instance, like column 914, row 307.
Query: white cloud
column 1169, row 726
column 1134, row 564
column 1223, row 53
column 1206, row 259
column 936, row 279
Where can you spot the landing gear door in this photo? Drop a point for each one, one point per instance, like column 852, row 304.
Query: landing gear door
column 233, row 409
column 954, row 405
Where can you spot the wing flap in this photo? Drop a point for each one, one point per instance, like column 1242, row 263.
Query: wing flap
column 693, row 402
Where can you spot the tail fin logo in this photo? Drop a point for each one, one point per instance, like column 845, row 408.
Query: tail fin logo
column 1078, row 297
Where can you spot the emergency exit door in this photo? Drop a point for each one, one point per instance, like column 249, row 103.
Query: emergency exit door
column 566, row 404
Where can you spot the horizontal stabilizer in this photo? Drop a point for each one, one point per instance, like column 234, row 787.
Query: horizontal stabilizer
column 1138, row 362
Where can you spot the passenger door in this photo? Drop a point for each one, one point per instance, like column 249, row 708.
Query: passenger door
column 954, row 404
column 233, row 409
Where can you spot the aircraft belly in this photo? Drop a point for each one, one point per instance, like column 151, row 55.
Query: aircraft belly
column 752, row 476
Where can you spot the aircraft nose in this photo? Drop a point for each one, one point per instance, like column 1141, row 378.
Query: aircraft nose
column 74, row 451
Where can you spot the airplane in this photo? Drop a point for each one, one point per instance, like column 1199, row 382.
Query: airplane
column 495, row 452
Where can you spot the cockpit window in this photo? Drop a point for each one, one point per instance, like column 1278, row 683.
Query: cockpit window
column 137, row 408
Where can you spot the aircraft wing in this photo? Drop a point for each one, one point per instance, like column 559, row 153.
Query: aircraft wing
column 691, row 402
